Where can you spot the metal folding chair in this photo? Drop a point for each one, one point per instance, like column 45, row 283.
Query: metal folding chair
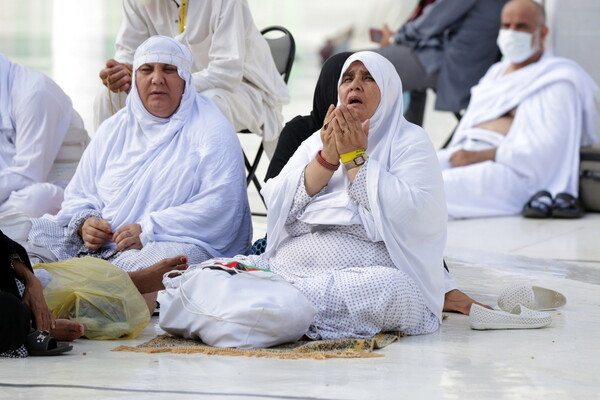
column 283, row 50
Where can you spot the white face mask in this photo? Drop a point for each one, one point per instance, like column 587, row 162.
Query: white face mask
column 517, row 46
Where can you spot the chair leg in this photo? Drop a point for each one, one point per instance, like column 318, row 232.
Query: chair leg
column 253, row 167
column 458, row 116
column 252, row 174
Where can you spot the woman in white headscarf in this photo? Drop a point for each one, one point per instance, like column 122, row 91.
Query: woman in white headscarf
column 363, row 241
column 162, row 177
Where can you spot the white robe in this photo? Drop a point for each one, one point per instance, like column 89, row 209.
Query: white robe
column 35, row 116
column 181, row 178
column 556, row 115
column 404, row 186
column 232, row 62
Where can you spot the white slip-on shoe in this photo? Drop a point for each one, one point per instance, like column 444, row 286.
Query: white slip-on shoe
column 533, row 297
column 520, row 317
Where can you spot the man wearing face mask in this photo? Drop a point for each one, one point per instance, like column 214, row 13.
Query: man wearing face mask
column 526, row 121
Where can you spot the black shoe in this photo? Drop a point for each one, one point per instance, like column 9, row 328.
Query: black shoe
column 567, row 206
column 539, row 206
column 40, row 343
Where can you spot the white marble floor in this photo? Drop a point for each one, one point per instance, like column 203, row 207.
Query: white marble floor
column 484, row 255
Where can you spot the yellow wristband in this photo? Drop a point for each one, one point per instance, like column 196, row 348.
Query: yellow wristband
column 351, row 155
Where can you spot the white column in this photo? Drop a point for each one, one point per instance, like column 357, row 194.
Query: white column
column 78, row 51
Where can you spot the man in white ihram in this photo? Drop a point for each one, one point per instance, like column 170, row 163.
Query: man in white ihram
column 233, row 65
column 526, row 121
column 36, row 118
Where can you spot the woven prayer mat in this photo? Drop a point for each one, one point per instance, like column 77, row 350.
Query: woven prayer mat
column 317, row 349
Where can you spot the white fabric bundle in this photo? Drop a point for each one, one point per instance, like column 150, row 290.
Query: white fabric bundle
column 246, row 309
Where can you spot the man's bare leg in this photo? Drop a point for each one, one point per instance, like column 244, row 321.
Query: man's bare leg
column 150, row 299
column 149, row 280
column 457, row 301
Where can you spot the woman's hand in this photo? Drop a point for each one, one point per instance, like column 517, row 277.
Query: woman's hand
column 95, row 232
column 317, row 175
column 350, row 134
column 33, row 297
column 127, row 237
column 330, row 152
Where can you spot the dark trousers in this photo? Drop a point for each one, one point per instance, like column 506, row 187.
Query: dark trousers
column 15, row 322
column 15, row 317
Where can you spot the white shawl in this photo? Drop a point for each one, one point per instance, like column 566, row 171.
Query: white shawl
column 405, row 190
column 181, row 178
column 556, row 115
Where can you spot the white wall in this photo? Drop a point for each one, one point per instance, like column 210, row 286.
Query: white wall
column 575, row 32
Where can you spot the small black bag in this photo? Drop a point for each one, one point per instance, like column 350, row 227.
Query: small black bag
column 589, row 178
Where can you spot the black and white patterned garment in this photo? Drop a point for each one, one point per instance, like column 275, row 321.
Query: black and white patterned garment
column 66, row 243
column 20, row 285
column 350, row 279
column 21, row 352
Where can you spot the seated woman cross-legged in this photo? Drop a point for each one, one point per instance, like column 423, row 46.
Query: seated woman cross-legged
column 163, row 177
column 362, row 238
column 300, row 128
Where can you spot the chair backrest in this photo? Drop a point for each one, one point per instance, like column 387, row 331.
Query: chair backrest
column 283, row 49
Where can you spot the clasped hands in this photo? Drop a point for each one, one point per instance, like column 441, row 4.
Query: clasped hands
column 342, row 133
column 116, row 76
column 95, row 232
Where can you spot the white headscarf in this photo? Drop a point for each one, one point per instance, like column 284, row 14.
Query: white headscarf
column 404, row 186
column 160, row 49
column 181, row 178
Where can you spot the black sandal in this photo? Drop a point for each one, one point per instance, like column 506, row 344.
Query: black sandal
column 539, row 206
column 567, row 206
column 40, row 343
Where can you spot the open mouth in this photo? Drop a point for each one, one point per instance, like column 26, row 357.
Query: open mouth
column 355, row 101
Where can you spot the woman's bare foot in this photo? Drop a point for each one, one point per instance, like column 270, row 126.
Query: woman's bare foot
column 67, row 330
column 149, row 279
column 457, row 301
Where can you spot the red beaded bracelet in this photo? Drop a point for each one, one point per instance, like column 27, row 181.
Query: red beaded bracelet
column 324, row 163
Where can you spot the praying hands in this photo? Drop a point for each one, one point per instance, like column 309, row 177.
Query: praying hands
column 95, row 232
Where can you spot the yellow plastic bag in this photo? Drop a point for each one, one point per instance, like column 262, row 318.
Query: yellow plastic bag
column 99, row 295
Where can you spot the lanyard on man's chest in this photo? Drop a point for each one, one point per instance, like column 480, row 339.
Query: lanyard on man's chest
column 182, row 15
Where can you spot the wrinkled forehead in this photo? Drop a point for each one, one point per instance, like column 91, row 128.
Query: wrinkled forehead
column 163, row 50
column 375, row 64
column 357, row 67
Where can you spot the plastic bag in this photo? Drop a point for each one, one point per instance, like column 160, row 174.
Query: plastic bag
column 99, row 295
